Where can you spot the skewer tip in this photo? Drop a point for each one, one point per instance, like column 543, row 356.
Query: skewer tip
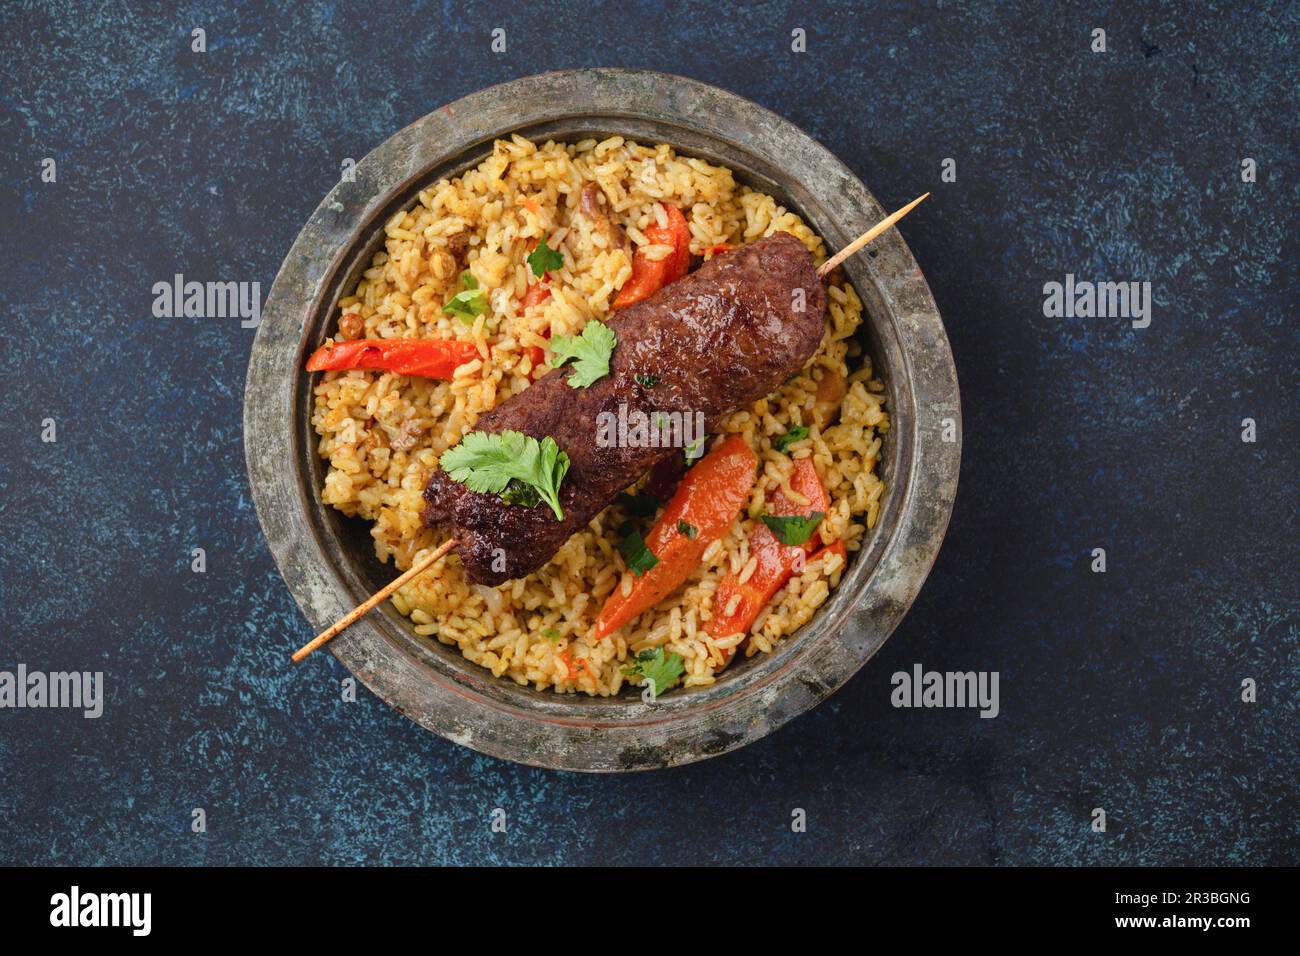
column 826, row 267
column 325, row 636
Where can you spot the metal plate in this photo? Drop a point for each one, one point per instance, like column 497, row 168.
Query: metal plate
column 327, row 559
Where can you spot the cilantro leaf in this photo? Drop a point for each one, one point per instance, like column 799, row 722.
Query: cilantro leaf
column 468, row 304
column 543, row 259
column 793, row 529
column 641, row 505
column 794, row 434
column 590, row 352
column 488, row 463
column 520, row 493
column 661, row 671
column 688, row 529
column 637, row 553
column 647, row 381
column 551, row 634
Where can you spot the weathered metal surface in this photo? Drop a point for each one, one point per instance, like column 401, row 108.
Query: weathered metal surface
column 329, row 568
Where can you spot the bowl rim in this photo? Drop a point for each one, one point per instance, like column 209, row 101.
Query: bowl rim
column 462, row 701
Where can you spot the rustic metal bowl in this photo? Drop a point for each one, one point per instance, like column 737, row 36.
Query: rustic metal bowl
column 327, row 559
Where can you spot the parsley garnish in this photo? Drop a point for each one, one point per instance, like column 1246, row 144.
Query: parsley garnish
column 551, row 634
column 793, row 529
column 687, row 529
column 468, row 304
column 642, row 505
column 489, row 463
column 543, row 259
column 647, row 381
column 795, row 433
column 661, row 671
column 637, row 553
column 590, row 352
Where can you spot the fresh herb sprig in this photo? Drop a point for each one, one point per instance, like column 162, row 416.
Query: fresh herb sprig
column 636, row 553
column 521, row 493
column 793, row 529
column 490, row 462
column 544, row 259
column 661, row 671
column 468, row 304
column 589, row 351
column 794, row 434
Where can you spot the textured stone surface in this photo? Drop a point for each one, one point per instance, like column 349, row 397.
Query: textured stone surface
column 1118, row 690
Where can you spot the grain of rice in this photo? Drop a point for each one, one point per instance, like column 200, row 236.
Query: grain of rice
column 751, row 565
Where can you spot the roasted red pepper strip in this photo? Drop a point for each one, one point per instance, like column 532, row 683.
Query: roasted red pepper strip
column 573, row 669
column 777, row 562
column 651, row 275
column 422, row 358
column 536, row 356
column 536, row 295
column 707, row 499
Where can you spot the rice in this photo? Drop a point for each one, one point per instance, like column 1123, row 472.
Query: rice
column 382, row 433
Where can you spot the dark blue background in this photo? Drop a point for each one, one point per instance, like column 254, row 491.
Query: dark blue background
column 1119, row 690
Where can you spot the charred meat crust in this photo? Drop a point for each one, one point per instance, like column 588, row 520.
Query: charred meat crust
column 724, row 336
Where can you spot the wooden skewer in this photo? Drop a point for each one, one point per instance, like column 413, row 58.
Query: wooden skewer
column 866, row 237
column 325, row 636
column 348, row 619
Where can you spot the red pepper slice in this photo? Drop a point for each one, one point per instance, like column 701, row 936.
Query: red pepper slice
column 422, row 358
column 649, row 276
column 777, row 562
column 536, row 295
column 570, row 671
column 707, row 499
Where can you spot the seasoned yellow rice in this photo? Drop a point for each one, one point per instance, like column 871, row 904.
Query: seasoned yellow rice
column 383, row 433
